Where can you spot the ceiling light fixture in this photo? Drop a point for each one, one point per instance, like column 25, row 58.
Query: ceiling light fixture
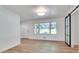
column 41, row 11
column 41, row 14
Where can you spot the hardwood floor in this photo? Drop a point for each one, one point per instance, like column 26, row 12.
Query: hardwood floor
column 41, row 46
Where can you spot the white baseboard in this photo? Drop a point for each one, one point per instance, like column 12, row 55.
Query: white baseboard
column 8, row 47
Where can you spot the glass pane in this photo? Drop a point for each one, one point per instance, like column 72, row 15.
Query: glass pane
column 36, row 28
column 44, row 28
column 67, row 31
column 53, row 28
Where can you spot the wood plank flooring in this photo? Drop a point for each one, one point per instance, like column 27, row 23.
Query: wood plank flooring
column 41, row 46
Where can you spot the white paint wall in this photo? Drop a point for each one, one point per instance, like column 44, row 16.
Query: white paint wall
column 27, row 30
column 78, row 26
column 74, row 28
column 9, row 29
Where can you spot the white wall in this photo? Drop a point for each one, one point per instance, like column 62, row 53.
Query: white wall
column 27, row 30
column 9, row 29
column 78, row 26
column 74, row 28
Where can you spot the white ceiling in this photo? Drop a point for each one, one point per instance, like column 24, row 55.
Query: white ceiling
column 26, row 12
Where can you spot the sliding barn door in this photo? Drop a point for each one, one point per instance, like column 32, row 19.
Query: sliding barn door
column 68, row 30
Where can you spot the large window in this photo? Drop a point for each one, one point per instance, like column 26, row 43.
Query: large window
column 45, row 28
column 53, row 28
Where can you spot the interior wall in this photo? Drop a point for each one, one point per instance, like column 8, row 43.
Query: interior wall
column 78, row 27
column 74, row 28
column 9, row 29
column 27, row 30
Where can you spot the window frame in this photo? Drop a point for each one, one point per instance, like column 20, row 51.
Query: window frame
column 38, row 33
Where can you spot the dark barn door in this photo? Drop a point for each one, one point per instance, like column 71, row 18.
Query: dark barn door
column 68, row 30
